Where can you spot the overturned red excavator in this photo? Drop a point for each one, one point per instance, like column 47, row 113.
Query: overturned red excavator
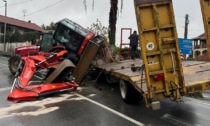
column 55, row 71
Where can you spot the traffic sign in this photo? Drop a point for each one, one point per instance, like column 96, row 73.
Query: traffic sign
column 185, row 46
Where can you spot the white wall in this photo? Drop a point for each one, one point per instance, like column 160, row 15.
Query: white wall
column 10, row 47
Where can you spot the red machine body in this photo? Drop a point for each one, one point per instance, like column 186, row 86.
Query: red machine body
column 22, row 90
column 66, row 58
column 27, row 50
column 31, row 50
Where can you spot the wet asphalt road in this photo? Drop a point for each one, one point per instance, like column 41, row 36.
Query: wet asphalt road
column 97, row 105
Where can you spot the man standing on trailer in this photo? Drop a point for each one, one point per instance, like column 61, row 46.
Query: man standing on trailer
column 133, row 44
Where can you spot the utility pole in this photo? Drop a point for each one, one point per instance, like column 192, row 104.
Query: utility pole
column 5, row 25
column 186, row 26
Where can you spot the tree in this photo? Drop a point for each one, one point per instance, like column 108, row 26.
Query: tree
column 51, row 26
column 16, row 37
column 112, row 18
column 112, row 21
column 98, row 29
column 43, row 26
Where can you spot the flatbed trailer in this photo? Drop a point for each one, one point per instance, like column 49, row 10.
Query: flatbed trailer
column 160, row 74
column 196, row 74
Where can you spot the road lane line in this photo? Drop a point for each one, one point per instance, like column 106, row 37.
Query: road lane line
column 170, row 118
column 191, row 100
column 206, row 96
column 202, row 116
column 112, row 110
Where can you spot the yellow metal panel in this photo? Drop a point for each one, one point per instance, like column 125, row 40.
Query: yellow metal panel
column 146, row 13
column 159, row 47
column 163, row 15
column 205, row 8
column 150, row 37
column 86, row 59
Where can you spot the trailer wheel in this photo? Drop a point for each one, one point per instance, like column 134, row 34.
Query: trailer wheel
column 13, row 63
column 129, row 93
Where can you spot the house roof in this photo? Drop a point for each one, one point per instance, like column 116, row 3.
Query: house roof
column 200, row 37
column 20, row 23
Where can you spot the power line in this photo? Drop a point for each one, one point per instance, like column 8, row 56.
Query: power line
column 20, row 2
column 189, row 17
column 180, row 26
column 43, row 8
column 179, row 16
column 196, row 20
column 195, row 30
column 17, row 3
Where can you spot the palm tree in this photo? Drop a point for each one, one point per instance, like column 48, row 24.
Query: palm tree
column 112, row 21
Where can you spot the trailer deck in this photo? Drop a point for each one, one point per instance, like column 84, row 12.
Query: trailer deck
column 161, row 72
column 122, row 70
column 195, row 72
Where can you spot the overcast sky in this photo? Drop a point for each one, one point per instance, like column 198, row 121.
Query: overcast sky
column 46, row 11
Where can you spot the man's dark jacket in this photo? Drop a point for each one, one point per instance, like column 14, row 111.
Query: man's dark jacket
column 133, row 39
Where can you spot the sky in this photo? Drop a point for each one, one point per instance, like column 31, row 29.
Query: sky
column 46, row 11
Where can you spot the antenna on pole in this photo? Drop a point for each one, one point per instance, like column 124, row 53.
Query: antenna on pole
column 24, row 14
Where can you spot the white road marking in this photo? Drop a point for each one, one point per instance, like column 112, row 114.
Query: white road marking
column 6, row 112
column 205, row 96
column 111, row 110
column 206, row 106
column 198, row 102
column 170, row 118
column 91, row 95
column 202, row 116
column 42, row 110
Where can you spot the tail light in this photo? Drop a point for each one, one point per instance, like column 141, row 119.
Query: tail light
column 158, row 77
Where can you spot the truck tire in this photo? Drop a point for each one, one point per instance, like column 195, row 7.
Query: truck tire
column 128, row 93
column 13, row 63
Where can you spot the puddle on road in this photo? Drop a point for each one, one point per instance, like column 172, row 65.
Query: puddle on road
column 25, row 109
column 36, row 108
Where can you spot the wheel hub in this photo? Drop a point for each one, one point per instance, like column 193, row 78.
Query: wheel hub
column 122, row 89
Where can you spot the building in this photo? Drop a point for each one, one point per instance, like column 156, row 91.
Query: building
column 199, row 44
column 17, row 25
